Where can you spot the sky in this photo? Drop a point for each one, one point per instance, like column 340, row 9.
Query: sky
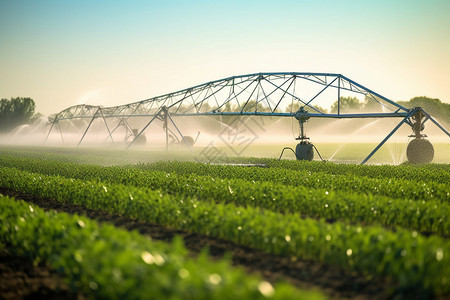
column 64, row 53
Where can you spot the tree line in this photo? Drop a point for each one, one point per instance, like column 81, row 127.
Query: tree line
column 18, row 111
column 15, row 112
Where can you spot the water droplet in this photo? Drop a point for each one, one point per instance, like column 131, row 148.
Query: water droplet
column 159, row 260
column 147, row 257
column 439, row 254
column 93, row 285
column 231, row 191
column 214, row 279
column 183, row 273
column 78, row 257
column 266, row 289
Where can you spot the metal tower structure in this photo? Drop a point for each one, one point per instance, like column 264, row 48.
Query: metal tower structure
column 259, row 94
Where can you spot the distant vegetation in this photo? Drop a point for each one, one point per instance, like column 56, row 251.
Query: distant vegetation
column 15, row 112
column 433, row 106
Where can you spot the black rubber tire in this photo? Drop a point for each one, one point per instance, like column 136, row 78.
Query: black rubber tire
column 420, row 151
column 141, row 140
column 304, row 151
column 189, row 140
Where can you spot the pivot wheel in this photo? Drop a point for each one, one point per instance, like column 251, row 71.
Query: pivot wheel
column 420, row 151
column 304, row 151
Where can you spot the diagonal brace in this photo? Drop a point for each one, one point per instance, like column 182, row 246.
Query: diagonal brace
column 89, row 125
column 145, row 127
column 179, row 132
column 387, row 137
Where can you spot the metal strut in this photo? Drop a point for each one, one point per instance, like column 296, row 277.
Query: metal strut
column 165, row 115
column 296, row 156
column 238, row 92
column 436, row 123
column 89, row 125
column 107, row 127
column 179, row 132
column 387, row 137
column 50, row 130
column 124, row 123
column 143, row 129
column 60, row 131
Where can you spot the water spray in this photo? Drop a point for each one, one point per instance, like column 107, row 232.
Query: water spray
column 216, row 98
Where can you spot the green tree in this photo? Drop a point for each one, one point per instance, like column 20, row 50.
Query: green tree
column 295, row 106
column 252, row 106
column 347, row 104
column 433, row 106
column 15, row 112
column 372, row 104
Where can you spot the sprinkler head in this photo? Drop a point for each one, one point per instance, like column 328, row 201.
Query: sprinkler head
column 302, row 115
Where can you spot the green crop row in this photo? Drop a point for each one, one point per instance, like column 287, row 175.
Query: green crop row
column 395, row 188
column 414, row 173
column 438, row 173
column 110, row 263
column 409, row 258
column 424, row 216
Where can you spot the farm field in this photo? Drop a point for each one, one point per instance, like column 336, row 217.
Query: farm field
column 281, row 229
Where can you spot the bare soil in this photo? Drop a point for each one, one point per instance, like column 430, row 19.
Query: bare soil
column 20, row 279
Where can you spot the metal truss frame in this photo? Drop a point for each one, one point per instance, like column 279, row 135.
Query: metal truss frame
column 258, row 94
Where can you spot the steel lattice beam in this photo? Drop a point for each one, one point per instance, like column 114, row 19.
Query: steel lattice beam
column 258, row 94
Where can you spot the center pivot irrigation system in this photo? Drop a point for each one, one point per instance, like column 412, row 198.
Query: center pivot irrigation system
column 259, row 94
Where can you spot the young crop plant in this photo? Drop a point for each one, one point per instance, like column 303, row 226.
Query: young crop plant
column 409, row 258
column 390, row 187
column 429, row 216
column 104, row 262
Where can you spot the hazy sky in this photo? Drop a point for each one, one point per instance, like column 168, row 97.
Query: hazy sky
column 63, row 53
